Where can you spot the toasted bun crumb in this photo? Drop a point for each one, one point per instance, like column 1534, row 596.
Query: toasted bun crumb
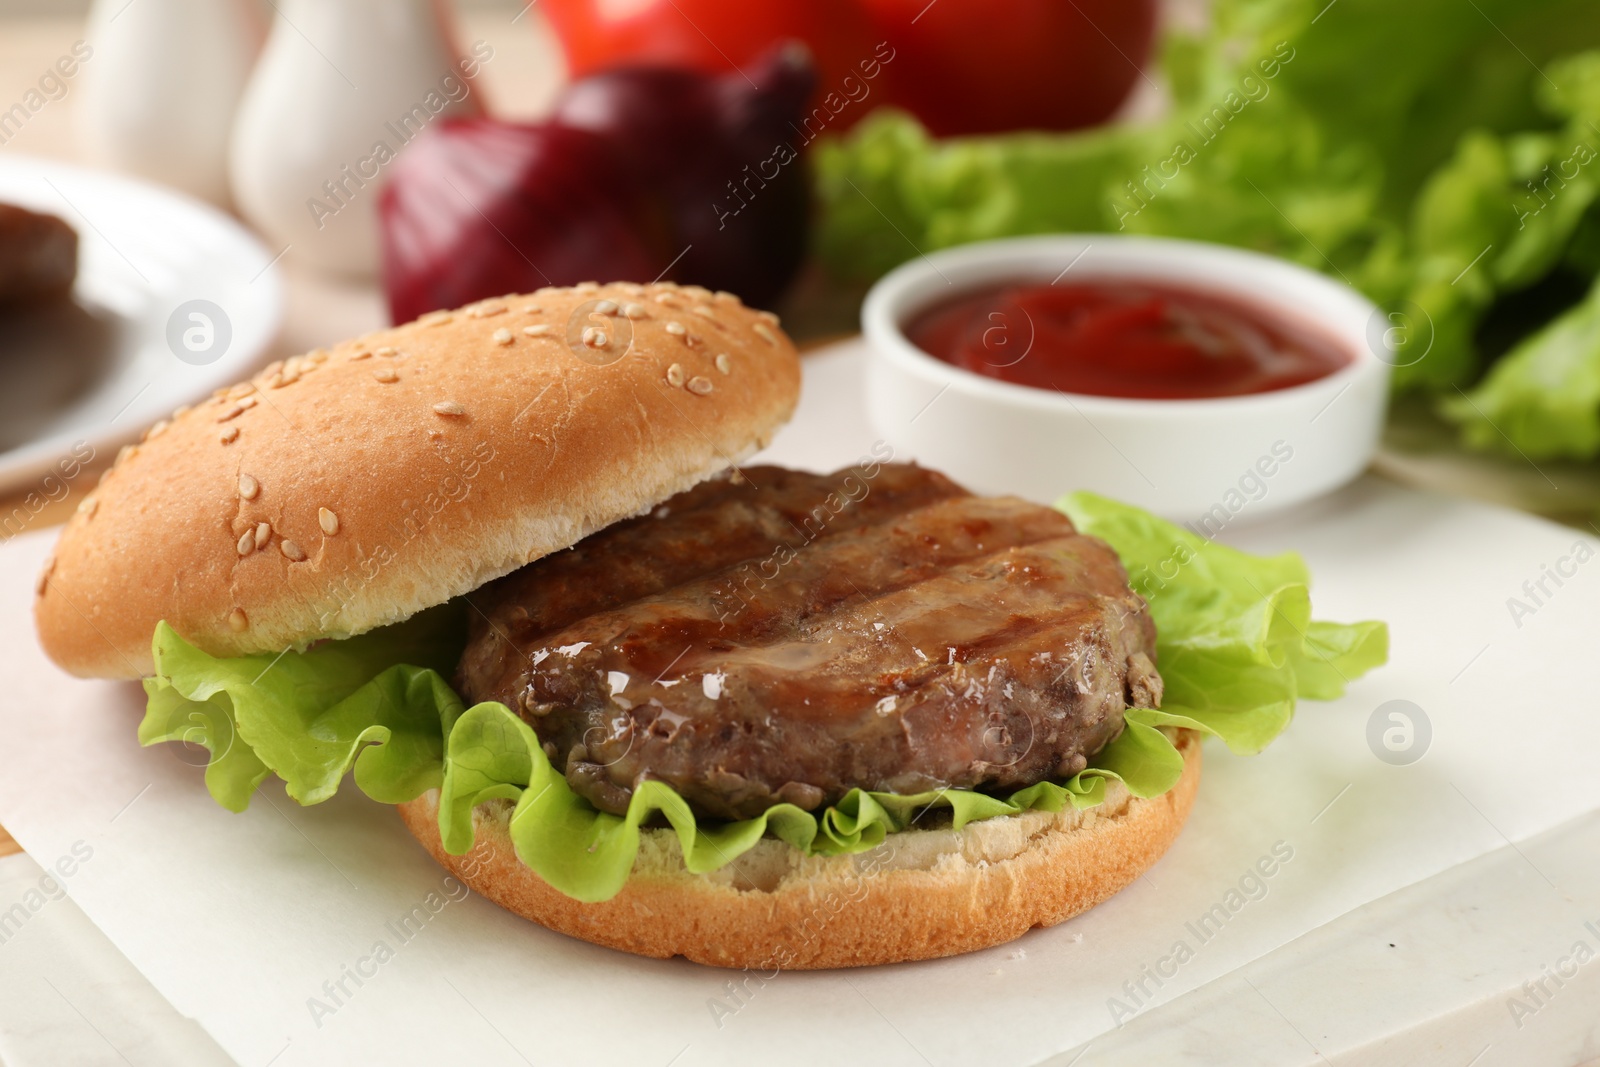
column 920, row 895
column 352, row 487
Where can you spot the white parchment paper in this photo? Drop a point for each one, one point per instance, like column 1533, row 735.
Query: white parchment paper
column 266, row 927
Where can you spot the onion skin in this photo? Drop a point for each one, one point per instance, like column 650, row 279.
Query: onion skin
column 477, row 208
column 640, row 174
column 723, row 157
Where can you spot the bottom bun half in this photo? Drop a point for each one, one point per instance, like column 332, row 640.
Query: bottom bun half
column 920, row 895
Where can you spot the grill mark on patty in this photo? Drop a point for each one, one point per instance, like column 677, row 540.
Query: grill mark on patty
column 716, row 525
column 809, row 596
column 839, row 671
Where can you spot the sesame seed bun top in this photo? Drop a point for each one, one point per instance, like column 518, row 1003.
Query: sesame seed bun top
column 352, row 487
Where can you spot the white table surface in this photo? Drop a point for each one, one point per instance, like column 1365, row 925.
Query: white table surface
column 1419, row 977
column 67, row 996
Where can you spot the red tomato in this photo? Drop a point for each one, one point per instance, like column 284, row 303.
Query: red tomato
column 976, row 66
column 716, row 36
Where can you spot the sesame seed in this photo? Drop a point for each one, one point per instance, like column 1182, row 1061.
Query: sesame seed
column 503, row 337
column 677, row 329
column 232, row 413
column 293, row 552
column 605, row 307
column 388, row 351
column 531, row 309
column 157, row 430
column 249, row 488
column 247, row 542
column 699, row 386
column 675, row 376
column 594, row 338
column 765, row 333
column 328, row 521
column 263, row 534
column 278, row 381
column 365, row 353
column 449, row 407
column 634, row 311
column 586, row 287
column 318, row 355
column 238, row 620
column 436, row 318
column 247, row 403
column 768, row 316
column 484, row 311
column 386, row 375
column 537, row 331
column 722, row 296
column 89, row 506
column 706, row 311
column 229, row 436
column 664, row 298
column 723, row 363
column 124, row 453
column 241, row 389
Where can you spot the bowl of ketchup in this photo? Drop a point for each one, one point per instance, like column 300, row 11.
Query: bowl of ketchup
column 1199, row 381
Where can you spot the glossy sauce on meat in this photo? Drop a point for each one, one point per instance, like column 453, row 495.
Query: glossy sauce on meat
column 788, row 636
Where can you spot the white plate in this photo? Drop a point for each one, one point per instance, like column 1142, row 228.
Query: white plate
column 80, row 379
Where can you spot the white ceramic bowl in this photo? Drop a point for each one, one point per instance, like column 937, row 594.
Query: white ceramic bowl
column 1204, row 462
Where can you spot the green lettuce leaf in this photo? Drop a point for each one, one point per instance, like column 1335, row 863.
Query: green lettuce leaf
column 1543, row 399
column 893, row 192
column 1237, row 647
column 310, row 716
column 1236, row 639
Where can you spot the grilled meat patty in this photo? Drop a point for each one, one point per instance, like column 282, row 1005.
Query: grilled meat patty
column 784, row 636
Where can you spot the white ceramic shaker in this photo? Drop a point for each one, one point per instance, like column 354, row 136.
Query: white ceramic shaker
column 160, row 88
column 341, row 88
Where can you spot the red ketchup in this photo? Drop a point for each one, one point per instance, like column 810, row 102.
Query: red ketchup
column 1147, row 340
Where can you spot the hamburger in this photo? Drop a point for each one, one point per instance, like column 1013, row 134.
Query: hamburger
column 505, row 567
